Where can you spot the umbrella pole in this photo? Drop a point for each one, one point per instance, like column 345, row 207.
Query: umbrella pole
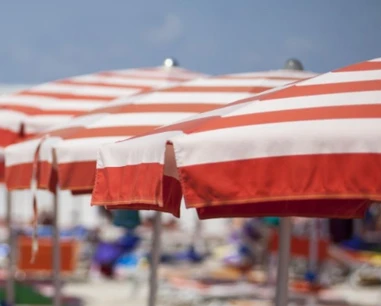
column 313, row 251
column 357, row 227
column 155, row 259
column 10, row 296
column 281, row 295
column 56, row 254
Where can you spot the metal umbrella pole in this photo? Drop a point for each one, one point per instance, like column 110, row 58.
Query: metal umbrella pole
column 156, row 235
column 313, row 250
column 358, row 227
column 155, row 259
column 10, row 289
column 56, row 254
column 281, row 295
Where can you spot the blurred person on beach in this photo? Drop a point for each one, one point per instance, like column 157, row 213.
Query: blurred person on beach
column 250, row 237
column 112, row 243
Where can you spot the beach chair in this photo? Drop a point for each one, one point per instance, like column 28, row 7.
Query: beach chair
column 41, row 268
column 300, row 249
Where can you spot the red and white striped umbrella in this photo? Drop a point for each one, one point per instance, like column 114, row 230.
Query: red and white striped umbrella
column 308, row 149
column 75, row 144
column 35, row 109
column 32, row 110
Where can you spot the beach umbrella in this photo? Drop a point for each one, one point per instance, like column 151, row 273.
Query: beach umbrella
column 67, row 153
column 307, row 149
column 66, row 156
column 32, row 110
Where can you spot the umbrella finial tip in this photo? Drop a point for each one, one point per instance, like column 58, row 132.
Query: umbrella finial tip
column 170, row 62
column 293, row 64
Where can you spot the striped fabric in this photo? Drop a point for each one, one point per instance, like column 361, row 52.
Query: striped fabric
column 75, row 144
column 308, row 149
column 32, row 110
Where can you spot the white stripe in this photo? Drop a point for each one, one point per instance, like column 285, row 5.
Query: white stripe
column 278, row 139
column 84, row 146
column 11, row 120
column 80, row 121
column 150, row 76
column 226, row 110
column 162, row 72
column 139, row 119
column 50, row 103
column 145, row 149
column 338, row 99
column 120, row 80
column 343, row 77
column 376, row 60
column 108, row 120
column 276, row 73
column 23, row 152
column 20, row 153
column 82, row 90
column 221, row 111
column 184, row 98
column 260, row 82
column 83, row 149
column 115, row 80
column 41, row 123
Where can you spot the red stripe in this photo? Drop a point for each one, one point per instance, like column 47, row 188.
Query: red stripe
column 144, row 180
column 145, row 187
column 304, row 208
column 321, row 89
column 19, row 176
column 300, row 182
column 8, row 137
column 2, row 172
column 314, row 90
column 77, row 176
column 364, row 66
column 171, row 193
column 292, row 115
column 307, row 177
column 159, row 107
column 81, row 132
column 316, row 113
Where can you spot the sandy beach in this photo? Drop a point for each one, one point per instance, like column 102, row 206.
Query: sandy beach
column 106, row 292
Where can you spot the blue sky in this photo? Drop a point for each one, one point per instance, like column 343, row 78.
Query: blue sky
column 43, row 40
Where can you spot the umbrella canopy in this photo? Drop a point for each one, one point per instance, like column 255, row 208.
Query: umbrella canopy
column 308, row 149
column 76, row 143
column 32, row 110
